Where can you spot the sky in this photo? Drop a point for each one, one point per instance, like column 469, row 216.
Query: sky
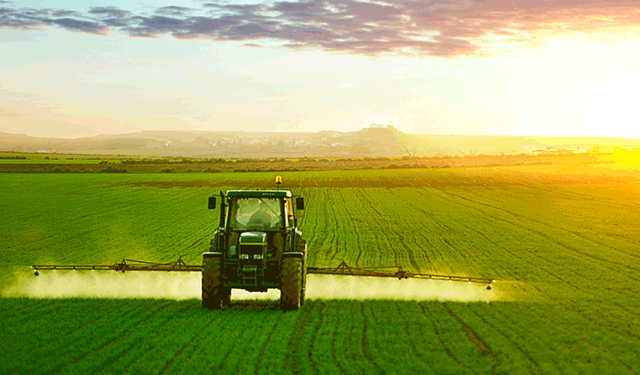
column 477, row 67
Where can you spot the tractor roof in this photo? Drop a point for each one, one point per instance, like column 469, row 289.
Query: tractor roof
column 258, row 193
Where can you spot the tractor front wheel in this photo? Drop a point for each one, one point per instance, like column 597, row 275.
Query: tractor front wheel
column 212, row 289
column 291, row 283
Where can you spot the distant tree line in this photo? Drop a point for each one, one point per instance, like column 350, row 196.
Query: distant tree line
column 219, row 165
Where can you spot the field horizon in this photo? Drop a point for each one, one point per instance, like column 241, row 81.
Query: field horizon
column 373, row 141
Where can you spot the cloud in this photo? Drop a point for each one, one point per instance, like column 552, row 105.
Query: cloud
column 109, row 12
column 174, row 11
column 432, row 27
column 30, row 19
column 79, row 25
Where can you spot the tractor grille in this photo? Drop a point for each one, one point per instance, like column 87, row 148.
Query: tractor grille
column 251, row 252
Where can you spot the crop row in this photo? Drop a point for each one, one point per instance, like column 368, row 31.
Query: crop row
column 324, row 337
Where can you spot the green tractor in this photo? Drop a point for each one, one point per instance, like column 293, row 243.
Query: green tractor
column 256, row 247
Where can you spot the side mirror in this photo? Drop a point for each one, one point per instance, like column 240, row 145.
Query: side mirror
column 300, row 203
column 212, row 203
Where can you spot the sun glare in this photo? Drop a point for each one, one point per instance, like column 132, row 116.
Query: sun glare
column 577, row 87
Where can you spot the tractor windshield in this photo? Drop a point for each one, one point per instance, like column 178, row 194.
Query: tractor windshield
column 256, row 214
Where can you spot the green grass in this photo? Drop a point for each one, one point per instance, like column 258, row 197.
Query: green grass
column 564, row 247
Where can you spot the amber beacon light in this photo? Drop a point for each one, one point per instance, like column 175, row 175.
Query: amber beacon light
column 278, row 181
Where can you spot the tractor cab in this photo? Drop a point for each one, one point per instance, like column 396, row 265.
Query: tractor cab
column 252, row 214
column 264, row 213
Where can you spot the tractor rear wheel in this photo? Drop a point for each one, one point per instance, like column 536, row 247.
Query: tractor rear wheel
column 291, row 283
column 212, row 289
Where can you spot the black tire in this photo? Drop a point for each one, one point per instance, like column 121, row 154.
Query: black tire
column 212, row 281
column 291, row 283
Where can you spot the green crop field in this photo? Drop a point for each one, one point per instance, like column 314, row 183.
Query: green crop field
column 562, row 243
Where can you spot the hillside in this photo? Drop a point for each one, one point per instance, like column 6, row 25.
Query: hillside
column 374, row 141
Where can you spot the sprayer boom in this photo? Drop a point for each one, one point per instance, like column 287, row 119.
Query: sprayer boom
column 342, row 270
column 391, row 271
column 125, row 265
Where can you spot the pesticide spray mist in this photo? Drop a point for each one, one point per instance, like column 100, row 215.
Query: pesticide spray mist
column 178, row 285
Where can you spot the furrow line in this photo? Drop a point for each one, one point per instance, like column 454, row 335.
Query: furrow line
column 256, row 368
column 221, row 366
column 412, row 258
column 437, row 334
column 364, row 343
column 109, row 343
column 160, row 334
column 335, row 235
column 126, row 313
column 577, row 234
column 381, row 229
column 207, row 344
column 520, row 349
column 333, row 342
column 410, row 333
column 313, row 250
column 437, row 223
column 314, row 366
column 181, row 350
column 514, row 254
column 482, row 346
column 39, row 306
column 559, row 327
column 329, row 236
column 355, row 232
column 598, row 260
column 540, row 233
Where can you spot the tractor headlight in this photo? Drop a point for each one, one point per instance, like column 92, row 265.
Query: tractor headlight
column 244, row 256
column 257, row 256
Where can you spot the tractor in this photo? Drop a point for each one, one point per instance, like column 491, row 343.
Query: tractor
column 256, row 247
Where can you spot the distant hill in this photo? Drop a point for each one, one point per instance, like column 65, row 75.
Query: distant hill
column 374, row 141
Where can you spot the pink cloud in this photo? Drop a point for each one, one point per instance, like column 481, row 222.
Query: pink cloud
column 423, row 27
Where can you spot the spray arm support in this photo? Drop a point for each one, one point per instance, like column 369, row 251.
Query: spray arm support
column 125, row 265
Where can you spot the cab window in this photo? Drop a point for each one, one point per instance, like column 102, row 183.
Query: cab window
column 256, row 214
